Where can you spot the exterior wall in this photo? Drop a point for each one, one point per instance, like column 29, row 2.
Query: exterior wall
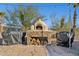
column 40, row 33
column 41, row 23
column 2, row 25
column 2, row 28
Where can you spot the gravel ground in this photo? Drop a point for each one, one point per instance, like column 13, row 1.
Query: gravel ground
column 22, row 50
column 35, row 50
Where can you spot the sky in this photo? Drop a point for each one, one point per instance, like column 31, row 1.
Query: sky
column 47, row 10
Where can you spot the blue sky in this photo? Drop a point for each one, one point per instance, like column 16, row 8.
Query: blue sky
column 47, row 9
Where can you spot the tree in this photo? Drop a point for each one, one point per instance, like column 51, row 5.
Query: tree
column 26, row 15
column 75, row 6
column 67, row 25
column 62, row 22
column 54, row 22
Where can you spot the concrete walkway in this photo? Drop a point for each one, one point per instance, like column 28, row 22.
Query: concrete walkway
column 54, row 50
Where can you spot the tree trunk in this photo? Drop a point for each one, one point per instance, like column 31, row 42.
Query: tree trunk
column 74, row 18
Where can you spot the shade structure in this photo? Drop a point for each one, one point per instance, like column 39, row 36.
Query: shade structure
column 11, row 38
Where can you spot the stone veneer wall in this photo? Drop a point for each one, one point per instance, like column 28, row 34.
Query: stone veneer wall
column 40, row 33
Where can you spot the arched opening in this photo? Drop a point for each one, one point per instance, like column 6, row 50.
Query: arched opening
column 39, row 27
